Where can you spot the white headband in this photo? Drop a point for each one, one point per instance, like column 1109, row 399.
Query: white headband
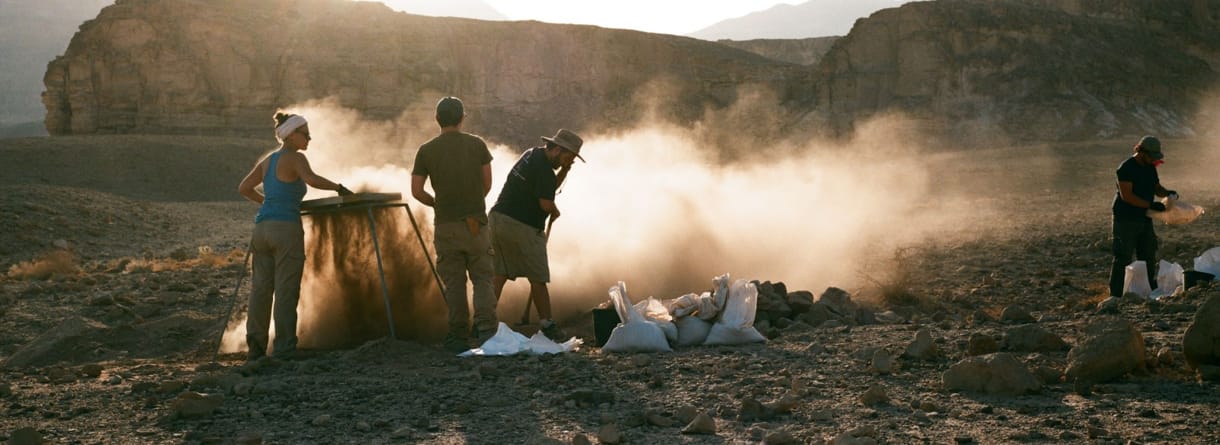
column 289, row 126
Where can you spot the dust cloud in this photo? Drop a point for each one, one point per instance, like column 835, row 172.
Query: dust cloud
column 660, row 206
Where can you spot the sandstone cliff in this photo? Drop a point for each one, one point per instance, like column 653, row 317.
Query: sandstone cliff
column 1038, row 70
column 799, row 51
column 186, row 66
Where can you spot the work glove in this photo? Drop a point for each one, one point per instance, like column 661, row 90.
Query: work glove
column 1173, row 194
column 343, row 191
column 1156, row 206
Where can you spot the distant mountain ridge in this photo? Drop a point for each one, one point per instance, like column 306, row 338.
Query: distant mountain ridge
column 814, row 18
column 473, row 9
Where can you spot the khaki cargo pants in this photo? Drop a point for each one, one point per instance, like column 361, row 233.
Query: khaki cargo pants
column 279, row 259
column 458, row 253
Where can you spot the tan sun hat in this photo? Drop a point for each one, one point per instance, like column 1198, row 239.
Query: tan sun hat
column 567, row 140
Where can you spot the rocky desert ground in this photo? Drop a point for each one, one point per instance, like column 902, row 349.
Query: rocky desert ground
column 119, row 254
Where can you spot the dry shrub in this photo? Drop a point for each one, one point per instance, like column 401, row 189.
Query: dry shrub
column 890, row 283
column 1096, row 292
column 56, row 262
column 207, row 258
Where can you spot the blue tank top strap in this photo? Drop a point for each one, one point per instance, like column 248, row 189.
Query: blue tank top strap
column 281, row 200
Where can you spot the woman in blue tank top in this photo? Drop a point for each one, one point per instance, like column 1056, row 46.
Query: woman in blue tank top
column 278, row 244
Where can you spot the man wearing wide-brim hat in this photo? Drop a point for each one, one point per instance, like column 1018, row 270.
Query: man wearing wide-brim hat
column 519, row 221
column 1138, row 186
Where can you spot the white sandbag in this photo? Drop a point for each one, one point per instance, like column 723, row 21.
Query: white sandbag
column 641, row 336
column 736, row 324
column 654, row 311
column 708, row 310
column 1136, row 279
column 510, row 342
column 1209, row 262
column 1170, row 279
column 1176, row 212
column 720, row 291
column 635, row 333
column 692, row 330
column 683, row 306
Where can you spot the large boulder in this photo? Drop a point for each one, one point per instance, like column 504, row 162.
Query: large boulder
column 1201, row 343
column 1109, row 348
column 998, row 374
column 838, row 301
column 57, row 343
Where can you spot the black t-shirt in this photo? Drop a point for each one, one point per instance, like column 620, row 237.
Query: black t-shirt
column 531, row 179
column 1143, row 179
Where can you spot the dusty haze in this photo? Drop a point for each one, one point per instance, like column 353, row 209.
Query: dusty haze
column 662, row 207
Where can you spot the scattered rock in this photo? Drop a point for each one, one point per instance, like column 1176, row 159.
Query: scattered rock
column 91, row 370
column 686, row 414
column 581, row 439
column 1032, row 338
column 322, row 420
column 192, row 405
column 1109, row 306
column 25, row 436
column 840, row 304
column 609, row 434
column 752, row 410
column 800, row 301
column 1017, row 314
column 779, row 437
column 249, row 438
column 865, row 435
column 1164, row 356
column 979, row 318
column 701, row 424
column 589, row 397
column 923, row 347
column 875, row 395
column 982, row 344
column 882, row 362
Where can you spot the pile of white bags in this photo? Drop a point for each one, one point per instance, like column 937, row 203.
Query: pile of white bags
column 1170, row 278
column 724, row 316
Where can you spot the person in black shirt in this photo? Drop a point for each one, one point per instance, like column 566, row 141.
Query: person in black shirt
column 519, row 221
column 1138, row 186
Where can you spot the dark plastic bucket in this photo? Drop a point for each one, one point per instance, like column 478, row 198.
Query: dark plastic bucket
column 1194, row 278
column 604, row 321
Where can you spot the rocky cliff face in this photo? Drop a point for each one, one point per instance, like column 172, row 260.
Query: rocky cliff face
column 183, row 66
column 798, row 51
column 1035, row 70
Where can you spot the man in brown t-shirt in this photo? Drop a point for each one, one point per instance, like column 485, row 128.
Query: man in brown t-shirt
column 459, row 165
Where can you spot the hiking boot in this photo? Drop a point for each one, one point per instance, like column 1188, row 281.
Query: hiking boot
column 455, row 345
column 552, row 331
column 482, row 335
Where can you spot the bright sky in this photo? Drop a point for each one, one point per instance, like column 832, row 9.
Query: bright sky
column 662, row 16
